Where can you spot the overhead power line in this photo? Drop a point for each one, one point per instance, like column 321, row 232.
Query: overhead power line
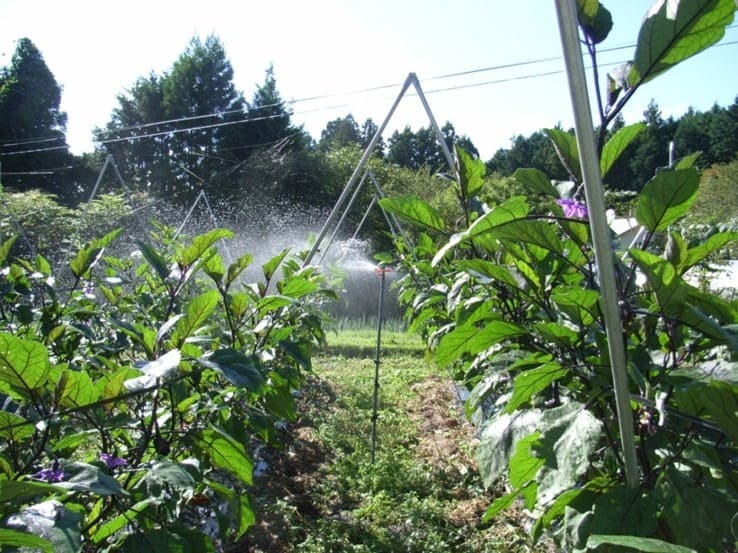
column 247, row 119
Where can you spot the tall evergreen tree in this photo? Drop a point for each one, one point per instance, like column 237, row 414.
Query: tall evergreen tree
column 179, row 133
column 422, row 149
column 33, row 149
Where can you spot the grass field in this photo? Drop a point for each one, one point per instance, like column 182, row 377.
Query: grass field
column 422, row 493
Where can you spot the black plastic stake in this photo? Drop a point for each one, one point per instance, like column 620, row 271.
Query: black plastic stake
column 380, row 316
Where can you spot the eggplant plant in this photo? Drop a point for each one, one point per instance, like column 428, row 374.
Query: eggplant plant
column 134, row 396
column 512, row 303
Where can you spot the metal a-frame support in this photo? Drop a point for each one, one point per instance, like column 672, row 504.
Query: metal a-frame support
column 411, row 79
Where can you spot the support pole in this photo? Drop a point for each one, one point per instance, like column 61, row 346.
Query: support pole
column 590, row 165
column 380, row 316
column 358, row 170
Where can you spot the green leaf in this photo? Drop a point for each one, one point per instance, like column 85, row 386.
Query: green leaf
column 470, row 173
column 299, row 351
column 580, row 305
column 617, row 145
column 296, row 287
column 511, row 210
column 666, row 197
column 14, row 428
column 76, row 389
column 571, row 435
column 238, row 368
column 226, row 453
column 24, row 366
column 13, row 538
column 415, row 211
column 5, row 248
column 500, row 504
column 270, row 267
column 21, row 491
column 237, row 267
column 166, row 541
column 119, row 522
column 83, row 477
column 566, row 148
column 196, row 312
column 88, row 256
column 200, row 245
column 54, row 522
column 703, row 250
column 157, row 262
column 524, row 466
column 595, row 19
column 538, row 233
column 650, row 545
column 530, row 382
column 472, row 339
column 670, row 290
column 536, row 180
column 214, row 268
column 718, row 400
column 674, row 31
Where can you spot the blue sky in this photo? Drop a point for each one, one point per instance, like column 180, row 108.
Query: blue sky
column 332, row 49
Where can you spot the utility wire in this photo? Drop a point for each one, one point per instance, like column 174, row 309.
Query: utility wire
column 326, row 96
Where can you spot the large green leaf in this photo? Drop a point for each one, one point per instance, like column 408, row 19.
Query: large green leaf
column 715, row 399
column 530, row 382
column 53, row 522
column 511, row 210
column 617, row 145
column 676, row 30
column 88, row 256
column 83, row 477
column 415, row 211
column 14, row 538
column 196, row 313
column 24, row 366
column 77, row 389
column 200, row 245
column 14, row 428
column 471, row 173
column 667, row 197
column 156, row 260
column 538, row 233
column 270, row 267
column 296, row 287
column 12, row 491
column 635, row 543
column 167, row 541
column 536, row 180
column 580, row 305
column 226, row 453
column 670, row 289
column 238, row 368
column 470, row 339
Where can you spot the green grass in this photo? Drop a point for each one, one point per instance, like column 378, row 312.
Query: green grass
column 409, row 499
column 354, row 338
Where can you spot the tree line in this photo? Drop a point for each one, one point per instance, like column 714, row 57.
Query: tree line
column 189, row 129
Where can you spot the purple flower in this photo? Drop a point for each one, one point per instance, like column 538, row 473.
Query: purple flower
column 573, row 209
column 111, row 461
column 54, row 474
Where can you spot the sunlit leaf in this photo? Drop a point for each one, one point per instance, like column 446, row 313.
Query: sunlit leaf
column 227, row 454
column 614, row 147
column 676, row 30
column 196, row 312
column 76, row 389
column 595, row 19
column 272, row 264
column 667, row 197
column 24, row 365
column 415, row 211
column 15, row 538
column 531, row 382
column 470, row 173
column 536, row 180
column 200, row 245
column 471, row 339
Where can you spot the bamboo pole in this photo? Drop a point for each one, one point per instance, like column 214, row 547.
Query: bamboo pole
column 590, row 165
